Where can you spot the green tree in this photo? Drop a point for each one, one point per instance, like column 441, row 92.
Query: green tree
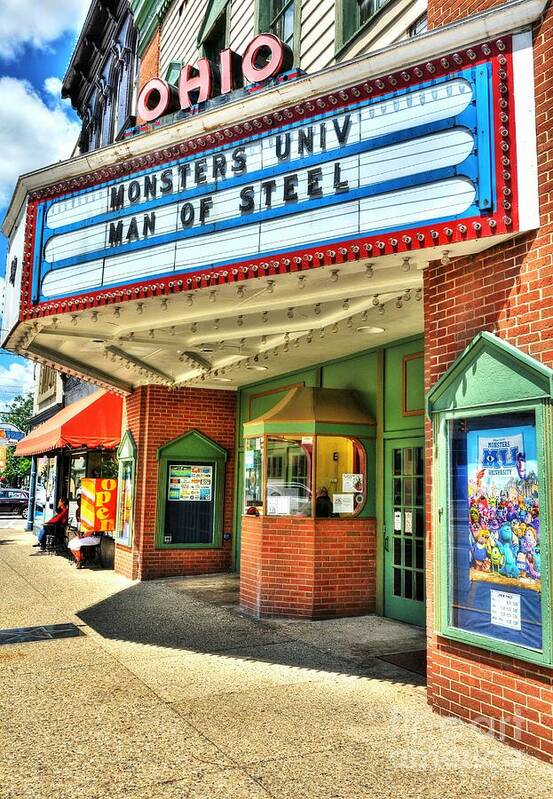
column 16, row 469
column 18, row 412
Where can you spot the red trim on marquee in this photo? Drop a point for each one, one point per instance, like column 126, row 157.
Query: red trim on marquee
column 405, row 242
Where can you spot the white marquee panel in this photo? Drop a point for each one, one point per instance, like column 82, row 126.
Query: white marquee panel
column 397, row 208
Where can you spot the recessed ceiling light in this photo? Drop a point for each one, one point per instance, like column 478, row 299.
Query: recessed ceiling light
column 370, row 329
column 206, row 348
column 257, row 367
column 222, row 379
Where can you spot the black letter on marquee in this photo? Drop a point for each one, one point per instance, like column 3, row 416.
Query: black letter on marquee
column 290, row 183
column 247, row 199
column 149, row 224
column 322, row 133
column 268, row 187
column 219, row 166
column 199, row 171
column 166, row 179
column 205, row 204
column 342, row 133
column 132, row 232
column 305, row 140
column 239, row 160
column 313, row 178
column 184, row 169
column 150, row 187
column 115, row 234
column 117, row 197
column 281, row 153
column 339, row 184
column 187, row 215
column 134, row 191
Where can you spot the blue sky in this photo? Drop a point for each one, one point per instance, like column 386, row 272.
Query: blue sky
column 37, row 38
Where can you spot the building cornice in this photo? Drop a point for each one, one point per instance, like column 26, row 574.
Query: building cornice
column 500, row 21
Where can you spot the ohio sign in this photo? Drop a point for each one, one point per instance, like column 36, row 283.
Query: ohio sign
column 417, row 159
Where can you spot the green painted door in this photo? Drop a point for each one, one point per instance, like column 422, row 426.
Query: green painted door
column 404, row 575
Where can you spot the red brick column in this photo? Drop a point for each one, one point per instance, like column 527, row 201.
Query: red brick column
column 156, row 416
column 507, row 290
column 308, row 568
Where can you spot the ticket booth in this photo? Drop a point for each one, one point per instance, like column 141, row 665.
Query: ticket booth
column 309, row 528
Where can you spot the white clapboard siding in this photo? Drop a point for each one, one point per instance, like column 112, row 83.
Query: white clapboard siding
column 179, row 33
column 318, row 34
column 317, row 30
column 242, row 24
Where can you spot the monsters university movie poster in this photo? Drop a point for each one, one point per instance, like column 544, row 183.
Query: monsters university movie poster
column 497, row 581
column 503, row 507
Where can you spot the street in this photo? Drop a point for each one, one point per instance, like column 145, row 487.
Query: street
column 166, row 690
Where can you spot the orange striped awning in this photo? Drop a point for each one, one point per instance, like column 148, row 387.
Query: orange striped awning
column 93, row 421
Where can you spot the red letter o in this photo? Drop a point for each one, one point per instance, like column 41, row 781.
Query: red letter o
column 156, row 98
column 281, row 58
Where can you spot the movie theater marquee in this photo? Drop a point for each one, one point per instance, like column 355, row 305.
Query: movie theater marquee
column 417, row 159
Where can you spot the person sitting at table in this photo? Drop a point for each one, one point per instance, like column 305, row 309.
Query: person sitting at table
column 81, row 539
column 59, row 520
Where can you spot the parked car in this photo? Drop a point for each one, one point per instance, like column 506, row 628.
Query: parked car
column 14, row 500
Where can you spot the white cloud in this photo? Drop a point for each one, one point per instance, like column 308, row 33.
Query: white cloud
column 17, row 378
column 37, row 23
column 52, row 87
column 32, row 134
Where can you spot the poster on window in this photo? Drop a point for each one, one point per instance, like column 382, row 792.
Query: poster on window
column 497, row 557
column 352, row 483
column 503, row 508
column 189, row 483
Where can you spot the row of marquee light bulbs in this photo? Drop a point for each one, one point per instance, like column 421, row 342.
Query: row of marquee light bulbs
column 242, row 361
column 297, row 339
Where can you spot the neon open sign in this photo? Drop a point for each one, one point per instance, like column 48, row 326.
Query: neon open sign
column 265, row 57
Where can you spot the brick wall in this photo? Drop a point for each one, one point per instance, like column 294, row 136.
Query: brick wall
column 310, row 568
column 149, row 64
column 509, row 291
column 442, row 12
column 156, row 416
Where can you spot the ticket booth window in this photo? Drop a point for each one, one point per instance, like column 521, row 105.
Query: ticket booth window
column 191, row 482
column 315, row 473
column 253, row 475
column 289, row 484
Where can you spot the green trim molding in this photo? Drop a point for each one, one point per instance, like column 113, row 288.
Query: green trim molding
column 348, row 21
column 264, row 16
column 192, row 447
column 148, row 16
column 486, row 373
column 491, row 377
column 213, row 11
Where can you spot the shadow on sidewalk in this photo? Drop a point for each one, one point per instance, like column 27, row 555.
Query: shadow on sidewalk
column 202, row 615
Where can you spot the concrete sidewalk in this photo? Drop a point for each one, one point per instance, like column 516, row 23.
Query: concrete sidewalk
column 171, row 692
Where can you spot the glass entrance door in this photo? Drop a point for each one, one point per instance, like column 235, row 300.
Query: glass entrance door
column 404, row 541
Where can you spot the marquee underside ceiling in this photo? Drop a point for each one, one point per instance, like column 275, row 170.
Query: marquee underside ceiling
column 235, row 334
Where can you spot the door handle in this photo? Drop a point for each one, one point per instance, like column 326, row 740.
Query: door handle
column 387, row 543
